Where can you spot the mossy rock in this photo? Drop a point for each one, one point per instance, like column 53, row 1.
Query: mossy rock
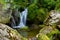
column 7, row 33
column 4, row 18
column 49, row 31
column 42, row 37
column 46, row 29
column 4, row 15
column 23, row 28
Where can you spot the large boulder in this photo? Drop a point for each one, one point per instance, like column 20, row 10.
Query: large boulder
column 7, row 33
column 53, row 18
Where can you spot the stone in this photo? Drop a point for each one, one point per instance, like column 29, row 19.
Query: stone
column 53, row 18
column 46, row 29
column 5, row 15
column 7, row 33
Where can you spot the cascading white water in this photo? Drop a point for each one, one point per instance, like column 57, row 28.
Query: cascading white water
column 23, row 17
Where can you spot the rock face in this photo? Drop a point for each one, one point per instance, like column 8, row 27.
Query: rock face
column 5, row 15
column 50, row 30
column 53, row 18
column 7, row 33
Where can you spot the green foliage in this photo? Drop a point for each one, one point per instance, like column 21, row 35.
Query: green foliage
column 49, row 32
column 41, row 14
column 32, row 10
column 57, row 6
column 49, row 4
column 34, row 1
column 53, row 32
column 2, row 1
column 36, row 14
column 21, row 3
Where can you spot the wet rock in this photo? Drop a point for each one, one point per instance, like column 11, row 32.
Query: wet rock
column 16, row 16
column 7, row 33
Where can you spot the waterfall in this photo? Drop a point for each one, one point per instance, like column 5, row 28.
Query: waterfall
column 23, row 17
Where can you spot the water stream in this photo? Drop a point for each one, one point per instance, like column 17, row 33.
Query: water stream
column 23, row 17
column 29, row 34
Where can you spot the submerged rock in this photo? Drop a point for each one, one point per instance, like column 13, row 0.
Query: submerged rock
column 7, row 33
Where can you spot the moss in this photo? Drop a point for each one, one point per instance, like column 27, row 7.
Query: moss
column 50, row 32
column 24, row 28
column 42, row 37
column 16, row 33
column 4, row 20
column 53, row 32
